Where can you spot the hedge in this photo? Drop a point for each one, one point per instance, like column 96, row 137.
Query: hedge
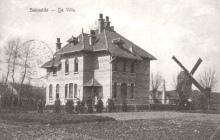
column 53, row 119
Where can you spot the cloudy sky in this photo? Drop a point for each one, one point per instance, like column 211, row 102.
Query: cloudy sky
column 184, row 28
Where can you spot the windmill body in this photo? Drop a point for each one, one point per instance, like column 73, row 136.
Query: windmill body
column 185, row 81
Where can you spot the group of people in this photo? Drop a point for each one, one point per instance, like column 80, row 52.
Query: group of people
column 56, row 108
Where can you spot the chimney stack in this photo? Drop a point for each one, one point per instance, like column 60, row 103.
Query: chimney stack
column 101, row 23
column 112, row 28
column 58, row 45
column 107, row 22
column 92, row 37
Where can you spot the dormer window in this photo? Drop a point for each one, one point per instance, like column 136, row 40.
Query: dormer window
column 76, row 65
column 73, row 40
column 118, row 41
column 67, row 66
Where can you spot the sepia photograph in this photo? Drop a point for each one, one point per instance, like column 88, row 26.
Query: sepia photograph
column 110, row 70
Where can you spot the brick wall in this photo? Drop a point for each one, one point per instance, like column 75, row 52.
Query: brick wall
column 140, row 78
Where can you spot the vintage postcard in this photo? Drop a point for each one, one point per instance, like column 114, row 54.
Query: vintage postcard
column 128, row 69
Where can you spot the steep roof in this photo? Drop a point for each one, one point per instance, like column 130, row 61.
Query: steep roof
column 92, row 83
column 105, row 41
column 52, row 63
column 82, row 44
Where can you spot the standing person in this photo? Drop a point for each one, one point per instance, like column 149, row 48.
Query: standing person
column 96, row 102
column 57, row 105
column 39, row 106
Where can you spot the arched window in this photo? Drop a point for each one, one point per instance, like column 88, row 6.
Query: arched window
column 57, row 91
column 132, row 91
column 123, row 90
column 67, row 66
column 75, row 90
column 66, row 91
column 114, row 90
column 76, row 65
column 51, row 91
column 71, row 90
column 132, row 67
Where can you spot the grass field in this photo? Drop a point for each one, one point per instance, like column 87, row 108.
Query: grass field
column 131, row 125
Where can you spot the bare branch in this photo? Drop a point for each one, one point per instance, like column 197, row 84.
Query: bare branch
column 209, row 79
column 174, row 82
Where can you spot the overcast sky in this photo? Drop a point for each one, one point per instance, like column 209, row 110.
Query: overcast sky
column 188, row 29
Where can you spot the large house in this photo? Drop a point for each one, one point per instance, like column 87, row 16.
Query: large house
column 101, row 63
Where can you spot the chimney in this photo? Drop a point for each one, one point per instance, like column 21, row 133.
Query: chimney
column 107, row 22
column 58, row 45
column 101, row 23
column 92, row 37
column 112, row 28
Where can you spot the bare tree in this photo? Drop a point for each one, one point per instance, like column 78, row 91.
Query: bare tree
column 8, row 58
column 209, row 79
column 174, row 82
column 12, row 55
column 156, row 80
column 16, row 50
column 26, row 59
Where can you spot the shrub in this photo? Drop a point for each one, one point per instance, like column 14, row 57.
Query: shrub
column 53, row 119
column 89, row 105
column 124, row 105
column 80, row 106
column 111, row 105
column 69, row 106
column 100, row 106
column 142, row 107
column 163, row 107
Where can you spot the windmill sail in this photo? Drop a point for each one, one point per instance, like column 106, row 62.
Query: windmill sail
column 192, row 72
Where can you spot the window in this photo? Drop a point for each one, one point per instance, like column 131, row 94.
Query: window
column 132, row 91
column 57, row 90
column 75, row 90
column 66, row 91
column 51, row 91
column 114, row 90
column 124, row 66
column 67, row 66
column 54, row 71
column 123, row 90
column 76, row 65
column 132, row 67
column 71, row 90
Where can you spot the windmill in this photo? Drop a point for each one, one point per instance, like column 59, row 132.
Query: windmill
column 185, row 81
